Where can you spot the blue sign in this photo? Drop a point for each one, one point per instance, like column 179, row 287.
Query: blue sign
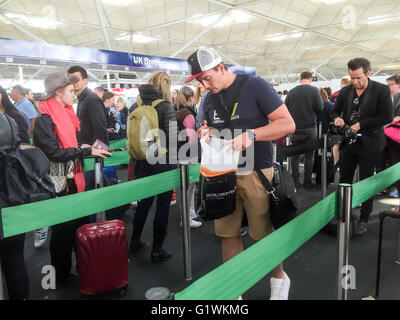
column 28, row 52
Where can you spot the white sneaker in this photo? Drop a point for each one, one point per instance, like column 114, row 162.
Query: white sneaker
column 173, row 202
column 280, row 288
column 40, row 237
column 194, row 224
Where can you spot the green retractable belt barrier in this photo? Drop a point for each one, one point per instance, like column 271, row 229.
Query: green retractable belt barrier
column 33, row 216
column 117, row 159
column 368, row 188
column 238, row 275
column 118, row 144
column 231, row 279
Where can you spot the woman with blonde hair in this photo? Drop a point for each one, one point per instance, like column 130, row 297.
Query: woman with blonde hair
column 158, row 87
column 186, row 119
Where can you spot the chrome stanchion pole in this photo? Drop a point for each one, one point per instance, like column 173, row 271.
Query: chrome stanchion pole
column 1, row 285
column 398, row 246
column 324, row 167
column 275, row 149
column 289, row 159
column 184, row 209
column 99, row 183
column 343, row 236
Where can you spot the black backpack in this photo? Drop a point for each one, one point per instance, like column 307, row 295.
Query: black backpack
column 24, row 177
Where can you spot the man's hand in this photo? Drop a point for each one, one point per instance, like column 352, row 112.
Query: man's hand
column 339, row 122
column 397, row 119
column 204, row 131
column 356, row 127
column 240, row 143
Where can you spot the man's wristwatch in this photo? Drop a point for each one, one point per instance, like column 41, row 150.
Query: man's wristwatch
column 252, row 135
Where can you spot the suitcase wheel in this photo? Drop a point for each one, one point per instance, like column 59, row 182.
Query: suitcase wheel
column 123, row 291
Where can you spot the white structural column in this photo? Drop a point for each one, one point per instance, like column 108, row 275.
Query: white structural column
column 21, row 75
column 188, row 44
column 102, row 25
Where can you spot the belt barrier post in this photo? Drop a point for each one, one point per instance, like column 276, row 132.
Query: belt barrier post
column 99, row 183
column 324, row 167
column 398, row 245
column 275, row 149
column 289, row 159
column 184, row 209
column 1, row 285
column 343, row 236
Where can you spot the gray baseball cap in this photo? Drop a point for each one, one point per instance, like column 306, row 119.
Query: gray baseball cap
column 56, row 81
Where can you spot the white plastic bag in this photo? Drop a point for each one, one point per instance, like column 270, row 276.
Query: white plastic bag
column 216, row 158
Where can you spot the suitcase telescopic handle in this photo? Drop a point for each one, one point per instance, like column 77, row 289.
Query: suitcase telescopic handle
column 99, row 183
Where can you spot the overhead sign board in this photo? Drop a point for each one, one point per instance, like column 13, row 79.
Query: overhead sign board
column 39, row 53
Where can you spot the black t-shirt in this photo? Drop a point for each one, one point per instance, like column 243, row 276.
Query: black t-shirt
column 257, row 100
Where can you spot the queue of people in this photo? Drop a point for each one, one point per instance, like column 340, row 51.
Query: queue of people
column 259, row 116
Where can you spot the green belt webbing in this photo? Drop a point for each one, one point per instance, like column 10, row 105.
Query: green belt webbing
column 118, row 144
column 33, row 216
column 239, row 274
column 118, row 158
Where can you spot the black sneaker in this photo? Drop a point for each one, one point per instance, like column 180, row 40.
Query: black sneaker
column 298, row 185
column 137, row 246
column 160, row 255
column 310, row 186
column 360, row 227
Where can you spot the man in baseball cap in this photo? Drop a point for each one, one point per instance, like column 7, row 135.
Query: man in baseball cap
column 251, row 108
column 202, row 60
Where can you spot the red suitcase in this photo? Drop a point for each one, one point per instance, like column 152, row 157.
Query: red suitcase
column 102, row 257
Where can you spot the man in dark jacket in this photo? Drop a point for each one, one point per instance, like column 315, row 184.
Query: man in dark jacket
column 304, row 103
column 365, row 106
column 90, row 110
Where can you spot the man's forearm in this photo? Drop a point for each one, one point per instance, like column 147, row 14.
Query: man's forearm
column 275, row 130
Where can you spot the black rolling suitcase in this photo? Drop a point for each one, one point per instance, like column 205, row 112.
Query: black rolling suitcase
column 382, row 216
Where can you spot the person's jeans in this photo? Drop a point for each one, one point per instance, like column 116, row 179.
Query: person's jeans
column 299, row 137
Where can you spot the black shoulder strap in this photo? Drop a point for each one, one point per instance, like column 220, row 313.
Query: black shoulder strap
column 267, row 185
column 225, row 113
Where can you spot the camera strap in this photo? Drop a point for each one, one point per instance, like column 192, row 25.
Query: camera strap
column 365, row 100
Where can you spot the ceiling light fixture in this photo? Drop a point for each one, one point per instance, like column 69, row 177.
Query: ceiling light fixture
column 379, row 19
column 35, row 22
column 119, row 3
column 284, row 36
column 137, row 38
column 235, row 16
column 332, row 1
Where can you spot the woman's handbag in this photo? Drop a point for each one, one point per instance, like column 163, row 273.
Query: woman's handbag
column 283, row 196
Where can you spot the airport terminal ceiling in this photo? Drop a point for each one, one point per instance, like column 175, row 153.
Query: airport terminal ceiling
column 281, row 38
